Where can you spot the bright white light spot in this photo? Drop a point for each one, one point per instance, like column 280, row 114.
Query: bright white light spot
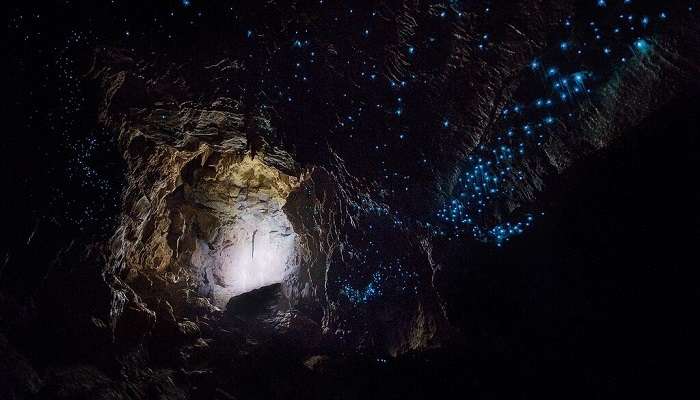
column 261, row 245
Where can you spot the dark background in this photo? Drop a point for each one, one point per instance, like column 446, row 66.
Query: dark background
column 600, row 296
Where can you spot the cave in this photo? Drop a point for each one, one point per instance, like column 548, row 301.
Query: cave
column 324, row 200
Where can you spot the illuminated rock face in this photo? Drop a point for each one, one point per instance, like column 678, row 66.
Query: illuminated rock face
column 204, row 218
column 255, row 244
column 256, row 251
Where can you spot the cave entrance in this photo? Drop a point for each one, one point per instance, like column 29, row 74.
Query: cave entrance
column 249, row 243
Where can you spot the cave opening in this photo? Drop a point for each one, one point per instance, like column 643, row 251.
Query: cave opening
column 244, row 240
